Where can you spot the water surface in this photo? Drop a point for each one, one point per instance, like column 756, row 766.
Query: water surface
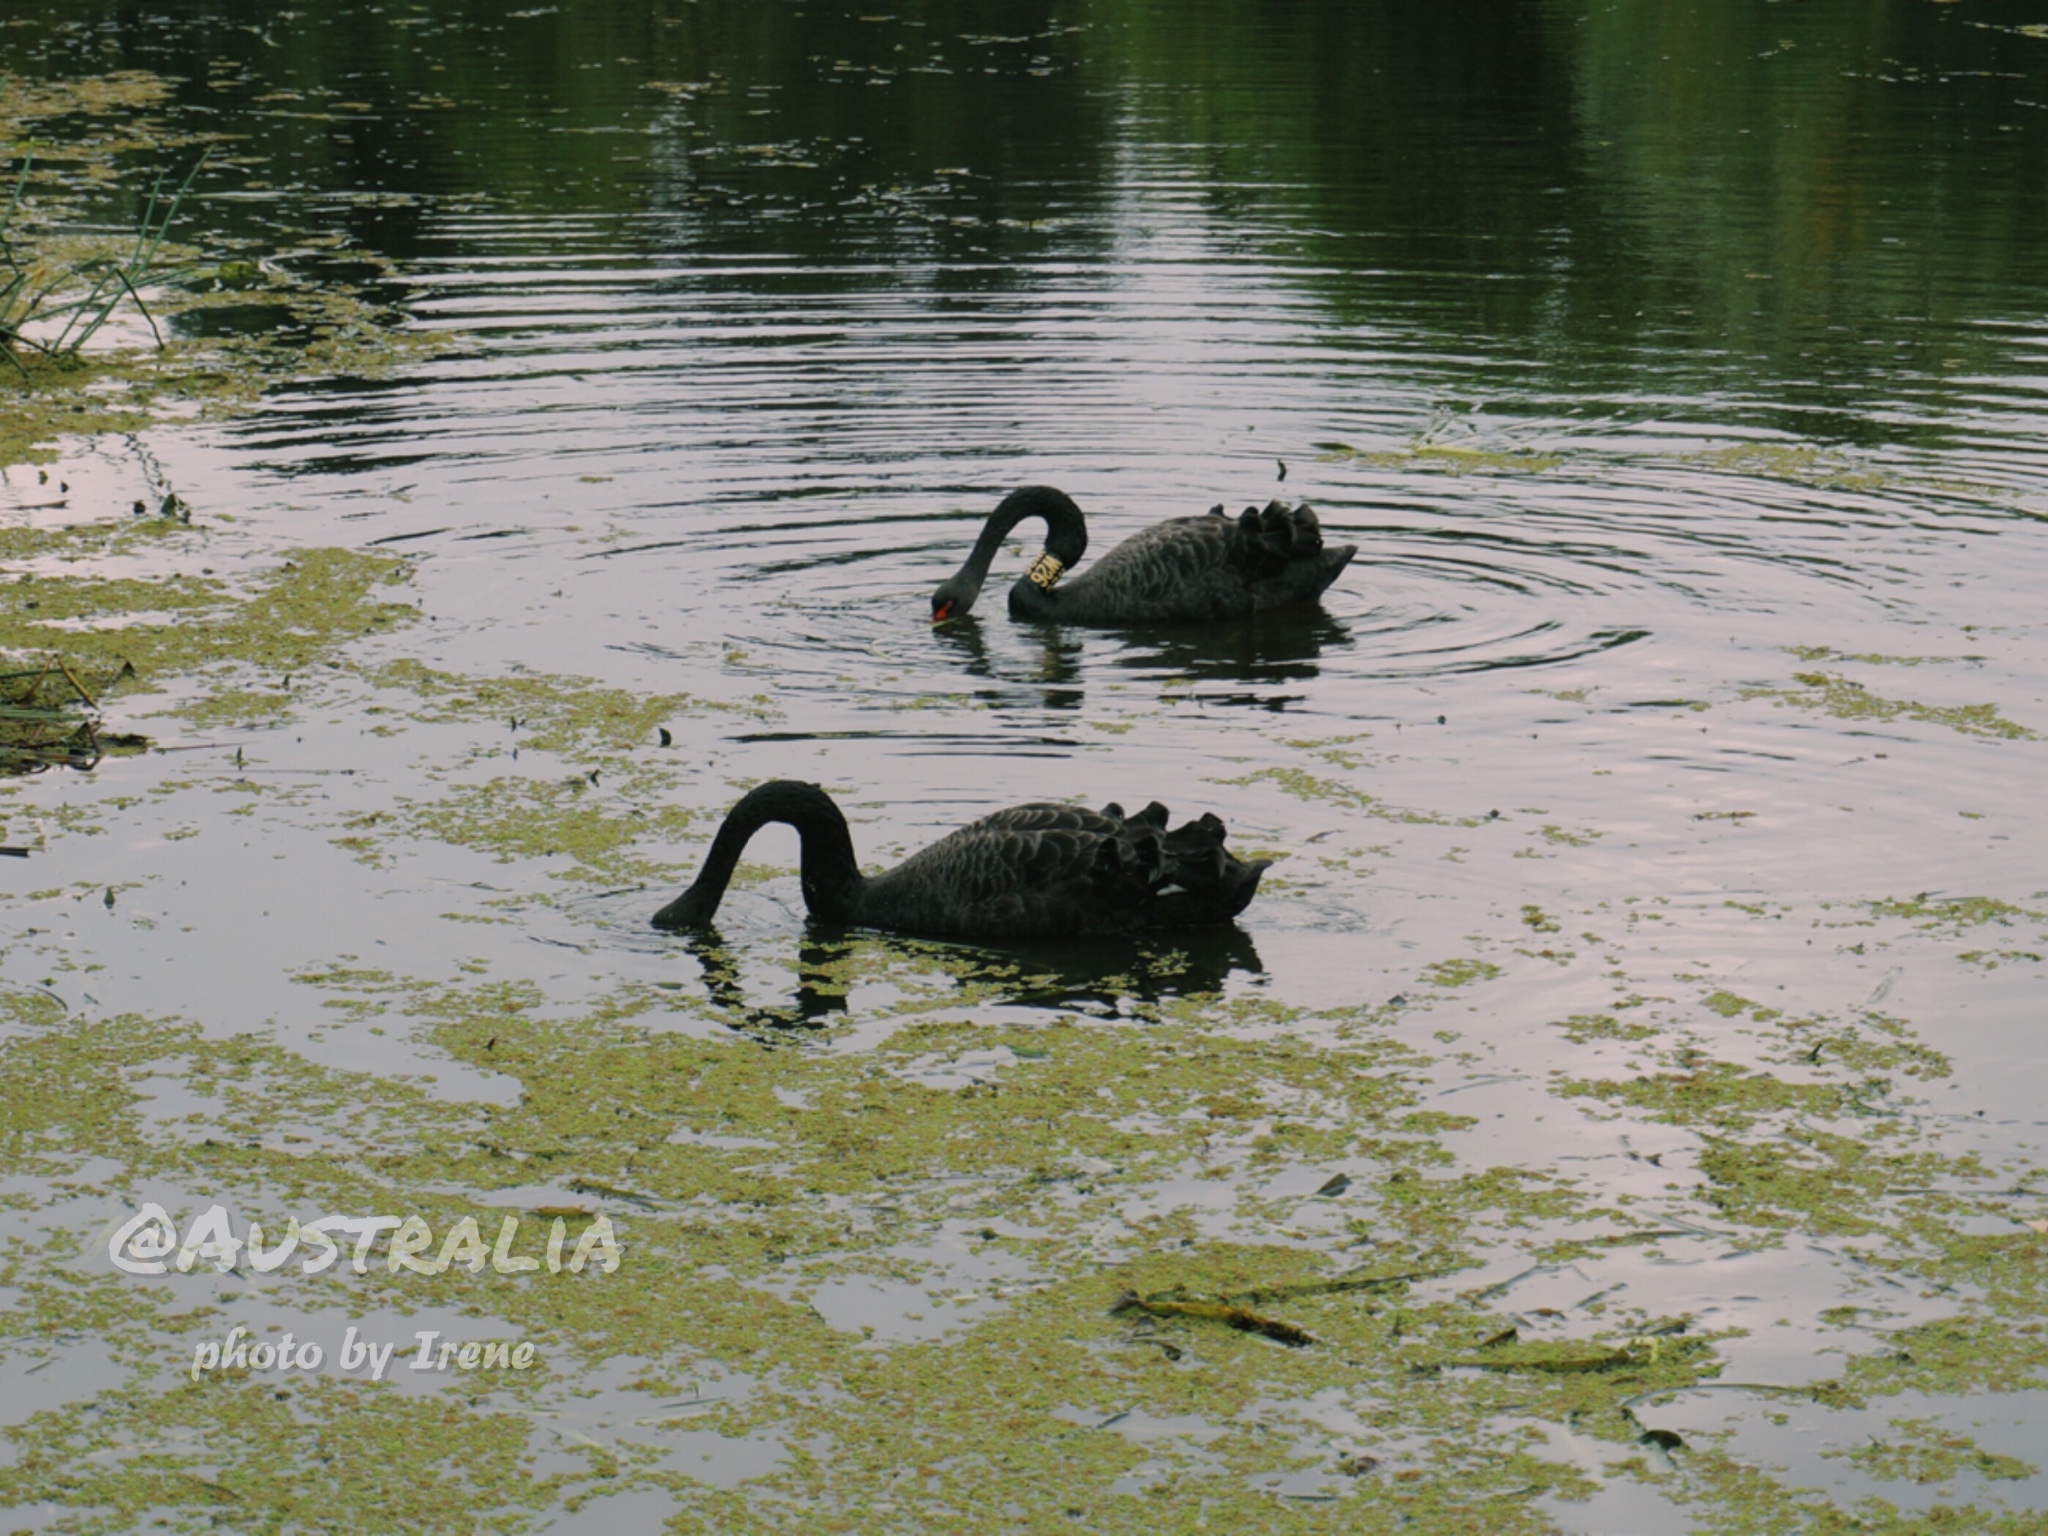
column 1656, row 877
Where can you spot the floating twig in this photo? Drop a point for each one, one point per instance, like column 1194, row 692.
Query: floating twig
column 1241, row 1318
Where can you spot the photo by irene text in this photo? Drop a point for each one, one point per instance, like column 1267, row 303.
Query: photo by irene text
column 426, row 1350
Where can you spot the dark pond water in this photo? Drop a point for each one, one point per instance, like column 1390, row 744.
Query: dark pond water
column 1649, row 796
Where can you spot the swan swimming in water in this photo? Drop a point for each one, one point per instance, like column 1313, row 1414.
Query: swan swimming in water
column 1183, row 571
column 1032, row 871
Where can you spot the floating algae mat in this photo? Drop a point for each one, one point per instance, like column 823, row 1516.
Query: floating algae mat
column 1620, row 1110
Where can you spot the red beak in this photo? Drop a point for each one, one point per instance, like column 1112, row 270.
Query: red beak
column 941, row 613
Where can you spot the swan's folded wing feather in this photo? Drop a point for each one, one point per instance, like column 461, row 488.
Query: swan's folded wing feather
column 1045, row 869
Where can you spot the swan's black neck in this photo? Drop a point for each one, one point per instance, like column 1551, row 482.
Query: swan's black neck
column 1066, row 540
column 831, row 878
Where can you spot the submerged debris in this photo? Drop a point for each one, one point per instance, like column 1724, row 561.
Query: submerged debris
column 47, row 718
column 1241, row 1318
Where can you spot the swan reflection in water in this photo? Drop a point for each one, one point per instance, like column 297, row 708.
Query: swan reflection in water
column 1098, row 976
column 1283, row 647
column 1052, row 660
column 1269, row 649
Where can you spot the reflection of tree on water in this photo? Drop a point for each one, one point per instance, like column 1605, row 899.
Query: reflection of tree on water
column 1092, row 975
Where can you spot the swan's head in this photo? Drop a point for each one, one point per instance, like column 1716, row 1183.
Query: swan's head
column 955, row 595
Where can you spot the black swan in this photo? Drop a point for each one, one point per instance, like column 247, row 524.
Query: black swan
column 1032, row 871
column 1186, row 570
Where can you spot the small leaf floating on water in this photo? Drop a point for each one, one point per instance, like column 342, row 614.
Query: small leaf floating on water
column 13, row 853
column 1357, row 1464
column 666, row 739
column 110, row 898
column 1662, row 1439
column 1336, row 1184
column 1508, row 1335
column 1283, row 467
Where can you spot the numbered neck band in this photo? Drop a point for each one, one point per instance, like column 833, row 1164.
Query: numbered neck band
column 1045, row 570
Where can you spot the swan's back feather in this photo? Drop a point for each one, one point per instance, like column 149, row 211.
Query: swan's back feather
column 1043, row 870
column 1190, row 569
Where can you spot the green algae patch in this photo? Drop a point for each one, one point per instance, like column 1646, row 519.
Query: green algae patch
column 1799, row 463
column 141, row 634
column 1871, row 658
column 1954, row 913
column 1718, row 1095
column 1958, row 1354
column 563, row 715
column 1583, row 1028
column 107, row 100
column 996, row 1181
column 523, row 818
column 1307, row 786
column 45, row 401
column 22, row 1006
column 1444, row 458
column 1881, row 1044
column 1731, row 1005
column 1927, row 1453
column 1459, row 973
column 596, row 785
column 1845, row 699
column 805, row 1171
column 1953, row 917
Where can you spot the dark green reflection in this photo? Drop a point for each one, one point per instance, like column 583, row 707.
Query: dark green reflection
column 1630, row 196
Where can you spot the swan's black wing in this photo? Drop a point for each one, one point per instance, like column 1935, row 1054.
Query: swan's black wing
column 1193, row 569
column 1043, row 870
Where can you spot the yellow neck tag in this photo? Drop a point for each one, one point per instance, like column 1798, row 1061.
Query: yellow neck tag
column 1045, row 570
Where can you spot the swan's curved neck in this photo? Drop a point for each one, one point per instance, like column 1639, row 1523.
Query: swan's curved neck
column 831, row 878
column 1066, row 535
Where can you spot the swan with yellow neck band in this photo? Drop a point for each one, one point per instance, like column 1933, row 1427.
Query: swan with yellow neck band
column 1188, row 570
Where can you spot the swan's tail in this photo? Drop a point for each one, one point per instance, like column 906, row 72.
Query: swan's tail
column 1269, row 541
column 1183, row 878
